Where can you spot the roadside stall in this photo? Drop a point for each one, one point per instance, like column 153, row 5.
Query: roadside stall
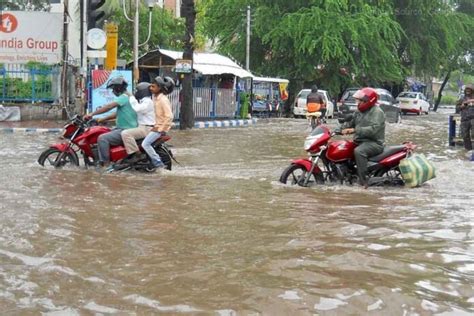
column 269, row 94
column 216, row 80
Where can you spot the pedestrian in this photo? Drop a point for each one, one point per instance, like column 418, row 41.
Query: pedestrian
column 465, row 106
column 368, row 127
column 125, row 116
column 160, row 87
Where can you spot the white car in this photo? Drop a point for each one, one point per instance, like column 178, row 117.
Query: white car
column 299, row 108
column 413, row 102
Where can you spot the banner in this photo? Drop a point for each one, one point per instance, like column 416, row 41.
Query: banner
column 283, row 92
column 100, row 95
column 30, row 36
column 111, row 46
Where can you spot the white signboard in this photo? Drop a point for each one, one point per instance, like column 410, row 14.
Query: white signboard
column 30, row 36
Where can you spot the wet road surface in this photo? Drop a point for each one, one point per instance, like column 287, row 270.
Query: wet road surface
column 220, row 236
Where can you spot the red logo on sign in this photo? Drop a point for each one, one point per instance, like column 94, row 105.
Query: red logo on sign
column 9, row 23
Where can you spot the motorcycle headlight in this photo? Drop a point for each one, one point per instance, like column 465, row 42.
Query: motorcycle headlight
column 310, row 141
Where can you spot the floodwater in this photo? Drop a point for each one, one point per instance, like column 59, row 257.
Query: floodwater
column 220, row 236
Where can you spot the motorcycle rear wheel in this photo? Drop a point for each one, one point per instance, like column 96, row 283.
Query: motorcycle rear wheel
column 165, row 156
column 393, row 175
column 54, row 158
column 295, row 174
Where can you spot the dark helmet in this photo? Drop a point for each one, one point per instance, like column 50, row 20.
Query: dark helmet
column 166, row 84
column 314, row 88
column 469, row 87
column 118, row 85
column 368, row 98
column 142, row 90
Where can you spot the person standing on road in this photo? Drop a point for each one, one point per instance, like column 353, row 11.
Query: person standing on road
column 125, row 115
column 465, row 106
column 368, row 127
column 160, row 87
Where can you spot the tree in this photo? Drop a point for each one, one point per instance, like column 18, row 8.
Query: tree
column 438, row 37
column 333, row 43
column 166, row 30
column 186, row 119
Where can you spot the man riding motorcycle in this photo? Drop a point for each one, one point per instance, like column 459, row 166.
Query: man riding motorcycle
column 125, row 115
column 368, row 127
column 315, row 102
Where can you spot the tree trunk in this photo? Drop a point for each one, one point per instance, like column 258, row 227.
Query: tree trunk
column 440, row 93
column 186, row 119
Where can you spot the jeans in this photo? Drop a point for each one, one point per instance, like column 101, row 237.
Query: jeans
column 104, row 142
column 146, row 145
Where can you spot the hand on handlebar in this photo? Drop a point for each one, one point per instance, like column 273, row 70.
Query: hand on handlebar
column 348, row 131
column 87, row 117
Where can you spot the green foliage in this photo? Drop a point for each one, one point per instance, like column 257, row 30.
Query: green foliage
column 167, row 32
column 448, row 99
column 375, row 41
column 310, row 42
column 38, row 83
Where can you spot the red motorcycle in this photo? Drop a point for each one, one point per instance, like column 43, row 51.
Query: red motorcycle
column 82, row 138
column 332, row 161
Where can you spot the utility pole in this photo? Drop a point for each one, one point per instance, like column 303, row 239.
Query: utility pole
column 64, row 81
column 186, row 118
column 247, row 59
column 136, row 23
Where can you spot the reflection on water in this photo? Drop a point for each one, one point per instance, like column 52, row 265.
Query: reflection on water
column 218, row 235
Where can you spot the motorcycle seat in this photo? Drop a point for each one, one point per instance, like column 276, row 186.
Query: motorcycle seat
column 387, row 151
column 162, row 139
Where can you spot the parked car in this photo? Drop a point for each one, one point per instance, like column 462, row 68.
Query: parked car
column 386, row 102
column 299, row 107
column 389, row 105
column 348, row 103
column 413, row 102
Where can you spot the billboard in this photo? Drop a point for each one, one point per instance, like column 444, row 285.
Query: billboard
column 100, row 95
column 30, row 36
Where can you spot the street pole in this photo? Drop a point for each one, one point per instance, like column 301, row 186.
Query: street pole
column 64, row 81
column 135, row 43
column 247, row 59
column 84, row 63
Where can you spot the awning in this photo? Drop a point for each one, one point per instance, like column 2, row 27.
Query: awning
column 268, row 79
column 211, row 64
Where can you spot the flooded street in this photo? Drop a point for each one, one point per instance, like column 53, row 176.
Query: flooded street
column 219, row 235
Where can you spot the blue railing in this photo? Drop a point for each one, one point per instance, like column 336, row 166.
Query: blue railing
column 19, row 83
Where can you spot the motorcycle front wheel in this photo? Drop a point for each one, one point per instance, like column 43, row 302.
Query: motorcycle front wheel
column 54, row 158
column 295, row 174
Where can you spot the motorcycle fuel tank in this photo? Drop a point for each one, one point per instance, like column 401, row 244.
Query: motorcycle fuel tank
column 340, row 150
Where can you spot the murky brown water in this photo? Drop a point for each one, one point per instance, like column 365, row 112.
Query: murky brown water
column 220, row 236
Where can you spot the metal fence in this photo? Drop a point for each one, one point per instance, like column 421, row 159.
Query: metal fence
column 208, row 103
column 23, row 83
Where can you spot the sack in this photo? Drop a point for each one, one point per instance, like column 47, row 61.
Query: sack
column 416, row 170
column 313, row 107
